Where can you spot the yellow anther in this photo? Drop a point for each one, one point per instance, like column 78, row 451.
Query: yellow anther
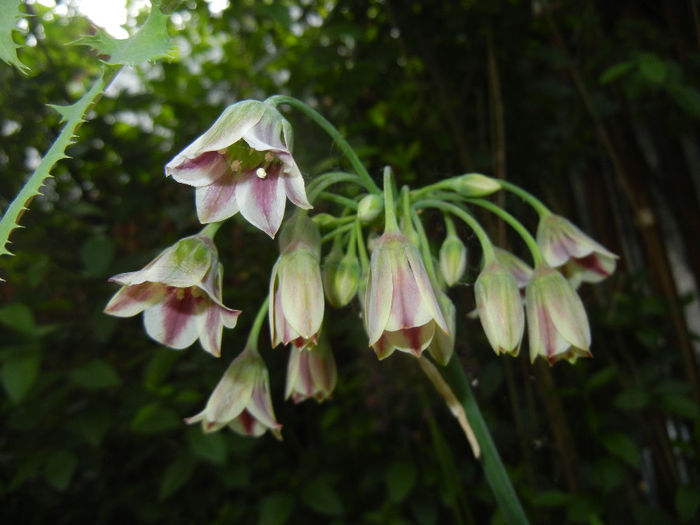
column 196, row 292
column 180, row 294
column 236, row 165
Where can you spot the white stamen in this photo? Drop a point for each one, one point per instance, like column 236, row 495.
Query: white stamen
column 261, row 173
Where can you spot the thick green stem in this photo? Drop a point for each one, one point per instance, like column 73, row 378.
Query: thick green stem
column 210, row 229
column 486, row 244
column 338, row 231
column 343, row 144
column 528, row 197
column 425, row 249
column 516, row 225
column 494, row 469
column 361, row 250
column 390, row 224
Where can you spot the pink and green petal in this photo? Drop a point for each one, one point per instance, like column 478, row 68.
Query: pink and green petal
column 425, row 289
column 406, row 302
column 132, row 300
column 413, row 340
column 262, row 201
column 217, row 201
column 172, row 322
column 378, row 295
column 201, row 170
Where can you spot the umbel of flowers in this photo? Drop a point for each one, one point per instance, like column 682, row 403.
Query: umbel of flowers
column 376, row 252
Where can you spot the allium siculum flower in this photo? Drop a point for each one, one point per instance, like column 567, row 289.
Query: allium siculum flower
column 401, row 311
column 563, row 243
column 557, row 322
column 500, row 308
column 518, row 268
column 241, row 400
column 443, row 345
column 296, row 290
column 311, row 373
column 243, row 163
column 179, row 293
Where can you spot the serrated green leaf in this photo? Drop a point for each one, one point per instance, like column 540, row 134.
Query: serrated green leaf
column 400, row 478
column 320, row 496
column 95, row 375
column 8, row 47
column 59, row 469
column 176, row 475
column 150, row 42
column 19, row 373
column 275, row 509
column 622, row 446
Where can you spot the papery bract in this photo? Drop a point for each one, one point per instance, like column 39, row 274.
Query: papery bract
column 401, row 311
column 500, row 308
column 241, row 399
column 179, row 293
column 557, row 322
column 243, row 163
column 563, row 243
column 296, row 289
column 311, row 373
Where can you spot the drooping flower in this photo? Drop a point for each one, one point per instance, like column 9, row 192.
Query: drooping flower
column 557, row 322
column 241, row 399
column 563, row 243
column 401, row 311
column 296, row 290
column 500, row 308
column 311, row 373
column 179, row 293
column 243, row 163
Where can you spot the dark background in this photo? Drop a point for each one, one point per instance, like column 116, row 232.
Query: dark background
column 591, row 105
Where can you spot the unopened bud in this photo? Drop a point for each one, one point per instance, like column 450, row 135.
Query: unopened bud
column 453, row 259
column 341, row 277
column 475, row 185
column 369, row 208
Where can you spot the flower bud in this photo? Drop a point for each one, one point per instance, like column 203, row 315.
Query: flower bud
column 453, row 259
column 500, row 308
column 369, row 208
column 341, row 276
column 475, row 185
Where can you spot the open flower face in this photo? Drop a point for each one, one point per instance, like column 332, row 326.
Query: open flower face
column 563, row 243
column 311, row 373
column 241, row 400
column 401, row 311
column 296, row 289
column 243, row 163
column 557, row 322
column 179, row 293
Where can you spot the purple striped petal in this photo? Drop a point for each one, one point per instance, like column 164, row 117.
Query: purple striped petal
column 217, row 201
column 413, row 340
column 132, row 300
column 407, row 308
column 262, row 201
column 172, row 322
column 201, row 170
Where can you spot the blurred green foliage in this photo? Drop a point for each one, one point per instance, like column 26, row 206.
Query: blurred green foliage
column 92, row 413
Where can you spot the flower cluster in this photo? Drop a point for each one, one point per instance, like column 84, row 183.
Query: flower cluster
column 244, row 163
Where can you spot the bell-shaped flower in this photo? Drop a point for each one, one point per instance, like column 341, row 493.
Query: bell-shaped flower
column 179, row 293
column 311, row 373
column 401, row 311
column 563, row 243
column 296, row 289
column 241, row 400
column 443, row 345
column 453, row 259
column 243, row 163
column 500, row 308
column 557, row 322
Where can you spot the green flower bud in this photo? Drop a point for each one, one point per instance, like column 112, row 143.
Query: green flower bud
column 453, row 259
column 475, row 185
column 341, row 277
column 369, row 208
